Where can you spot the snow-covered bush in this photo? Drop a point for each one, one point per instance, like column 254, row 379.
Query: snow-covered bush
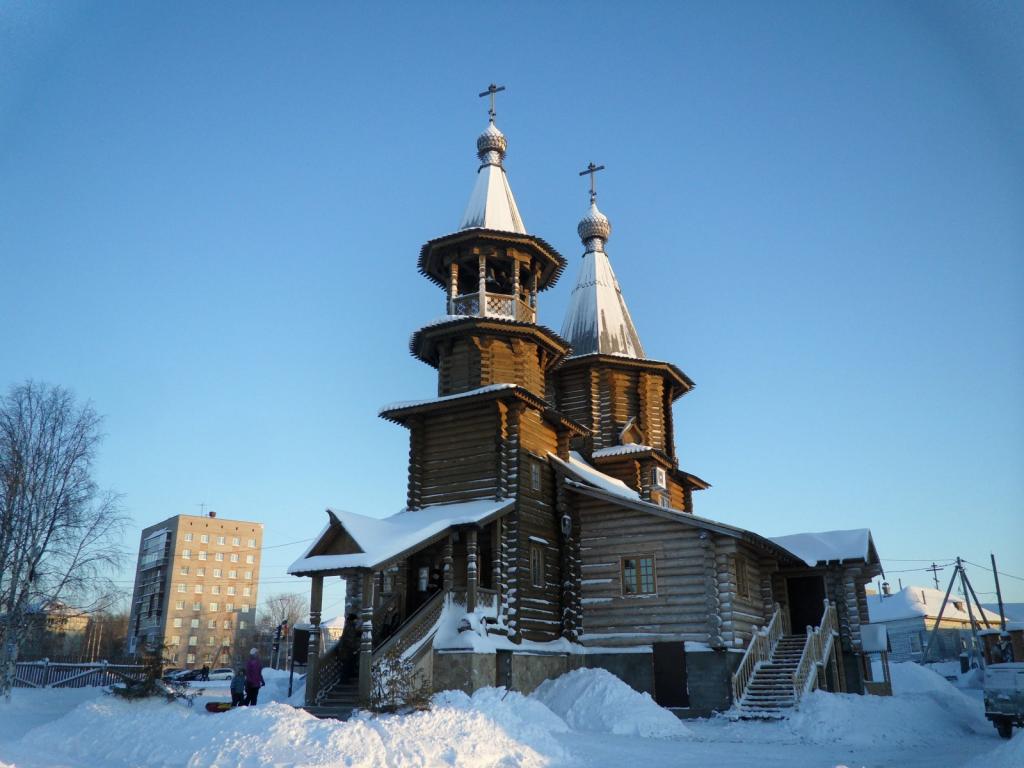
column 397, row 684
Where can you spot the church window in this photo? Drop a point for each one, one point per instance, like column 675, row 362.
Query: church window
column 536, row 565
column 743, row 578
column 638, row 576
column 535, row 474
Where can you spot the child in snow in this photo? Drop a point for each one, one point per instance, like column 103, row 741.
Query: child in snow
column 238, row 688
column 253, row 677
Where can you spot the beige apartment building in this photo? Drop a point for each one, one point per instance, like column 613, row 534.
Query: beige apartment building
column 196, row 586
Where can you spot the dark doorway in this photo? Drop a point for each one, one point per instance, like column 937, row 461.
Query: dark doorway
column 806, row 602
column 670, row 675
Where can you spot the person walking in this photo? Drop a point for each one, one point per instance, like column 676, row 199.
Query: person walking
column 238, row 688
column 253, row 678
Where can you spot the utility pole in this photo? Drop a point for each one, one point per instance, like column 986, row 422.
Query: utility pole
column 999, row 594
column 964, row 584
column 935, row 573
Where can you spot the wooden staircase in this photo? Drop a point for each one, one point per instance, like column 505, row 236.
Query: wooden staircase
column 779, row 668
column 769, row 693
column 338, row 703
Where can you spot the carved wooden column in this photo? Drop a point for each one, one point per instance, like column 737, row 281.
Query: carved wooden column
column 483, row 286
column 447, row 572
column 471, row 570
column 453, row 287
column 316, row 599
column 496, row 558
column 366, row 641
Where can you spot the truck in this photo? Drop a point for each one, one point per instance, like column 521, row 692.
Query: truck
column 1004, row 696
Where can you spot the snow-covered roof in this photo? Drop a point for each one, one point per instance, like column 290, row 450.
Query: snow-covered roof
column 432, row 400
column 912, row 602
column 491, row 204
column 384, row 539
column 829, row 546
column 579, row 468
column 620, row 450
column 597, row 320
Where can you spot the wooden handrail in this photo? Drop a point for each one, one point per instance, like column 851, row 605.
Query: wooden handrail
column 816, row 651
column 761, row 647
column 414, row 628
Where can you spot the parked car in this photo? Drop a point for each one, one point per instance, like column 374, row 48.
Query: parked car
column 183, row 675
column 222, row 673
column 171, row 671
column 1004, row 696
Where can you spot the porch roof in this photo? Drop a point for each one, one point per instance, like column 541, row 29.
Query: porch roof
column 831, row 546
column 383, row 540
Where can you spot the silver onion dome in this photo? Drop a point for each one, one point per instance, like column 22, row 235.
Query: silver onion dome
column 594, row 229
column 491, row 145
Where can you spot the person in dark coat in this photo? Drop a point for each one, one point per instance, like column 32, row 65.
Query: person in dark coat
column 349, row 647
column 238, row 688
column 253, row 678
column 205, row 674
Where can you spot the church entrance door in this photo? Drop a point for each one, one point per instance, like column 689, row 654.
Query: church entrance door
column 670, row 675
column 806, row 602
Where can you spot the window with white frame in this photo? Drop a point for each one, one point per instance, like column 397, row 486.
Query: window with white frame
column 231, row 590
column 187, row 537
column 248, row 575
column 249, row 559
column 198, row 589
column 175, row 639
column 204, row 539
column 218, row 556
column 245, row 608
column 202, row 554
column 638, row 576
column 241, row 624
column 177, row 622
column 183, row 571
column 216, row 573
column 190, row 658
column 211, row 624
column 234, row 541
column 194, row 624
column 234, row 557
column 183, row 587
column 186, row 554
column 220, row 541
column 252, row 543
column 193, row 640
column 179, row 605
column 200, row 571
column 246, row 591
column 197, row 606
column 232, row 574
column 214, row 607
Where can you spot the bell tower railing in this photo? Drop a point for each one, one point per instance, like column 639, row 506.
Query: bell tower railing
column 501, row 305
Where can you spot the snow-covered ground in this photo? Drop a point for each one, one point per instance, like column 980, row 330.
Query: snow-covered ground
column 586, row 718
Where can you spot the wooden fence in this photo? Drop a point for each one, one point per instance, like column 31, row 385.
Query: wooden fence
column 49, row 674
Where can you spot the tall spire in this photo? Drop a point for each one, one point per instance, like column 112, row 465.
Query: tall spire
column 597, row 321
column 491, row 204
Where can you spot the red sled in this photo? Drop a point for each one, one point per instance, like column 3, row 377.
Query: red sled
column 218, row 706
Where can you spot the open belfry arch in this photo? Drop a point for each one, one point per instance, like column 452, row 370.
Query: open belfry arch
column 548, row 524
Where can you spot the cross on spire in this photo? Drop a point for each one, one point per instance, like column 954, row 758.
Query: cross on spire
column 491, row 90
column 592, row 169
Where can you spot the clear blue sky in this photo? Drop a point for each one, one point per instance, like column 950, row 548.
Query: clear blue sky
column 210, row 215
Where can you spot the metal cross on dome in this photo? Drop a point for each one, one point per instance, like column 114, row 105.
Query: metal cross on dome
column 491, row 90
column 592, row 169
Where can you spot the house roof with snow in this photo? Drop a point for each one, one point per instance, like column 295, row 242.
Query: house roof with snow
column 923, row 602
column 830, row 546
column 351, row 541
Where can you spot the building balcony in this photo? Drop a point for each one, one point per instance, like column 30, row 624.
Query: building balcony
column 505, row 306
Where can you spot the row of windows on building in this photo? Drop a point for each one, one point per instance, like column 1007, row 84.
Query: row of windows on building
column 213, row 607
column 202, row 554
column 204, row 538
column 215, row 589
column 194, row 641
column 211, row 624
column 217, row 573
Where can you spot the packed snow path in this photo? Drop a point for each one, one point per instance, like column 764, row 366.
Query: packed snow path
column 586, row 718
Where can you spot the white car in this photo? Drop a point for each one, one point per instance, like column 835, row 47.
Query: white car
column 222, row 673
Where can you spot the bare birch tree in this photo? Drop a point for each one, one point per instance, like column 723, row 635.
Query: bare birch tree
column 60, row 535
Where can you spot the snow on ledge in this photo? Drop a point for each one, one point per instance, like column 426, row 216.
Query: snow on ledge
column 621, row 450
column 431, row 401
column 579, row 468
column 827, row 546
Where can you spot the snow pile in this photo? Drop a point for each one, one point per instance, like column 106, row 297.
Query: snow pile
column 595, row 700
column 1007, row 755
column 107, row 732
column 925, row 708
column 531, row 722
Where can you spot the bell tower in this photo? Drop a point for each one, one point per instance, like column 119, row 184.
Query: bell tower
column 492, row 271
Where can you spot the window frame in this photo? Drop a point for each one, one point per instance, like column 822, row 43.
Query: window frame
column 536, row 550
column 639, row 558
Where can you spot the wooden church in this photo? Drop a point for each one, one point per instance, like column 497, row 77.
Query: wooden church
column 548, row 524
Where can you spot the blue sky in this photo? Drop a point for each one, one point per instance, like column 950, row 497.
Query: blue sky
column 210, row 216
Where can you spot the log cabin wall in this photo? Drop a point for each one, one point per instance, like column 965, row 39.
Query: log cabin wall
column 685, row 600
column 740, row 571
column 638, row 474
column 454, row 455
column 538, row 606
column 605, row 398
column 467, row 362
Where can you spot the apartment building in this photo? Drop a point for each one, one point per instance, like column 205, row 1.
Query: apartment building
column 196, row 587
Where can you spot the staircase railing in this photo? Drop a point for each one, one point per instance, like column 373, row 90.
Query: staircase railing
column 761, row 647
column 414, row 628
column 816, row 652
column 329, row 671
